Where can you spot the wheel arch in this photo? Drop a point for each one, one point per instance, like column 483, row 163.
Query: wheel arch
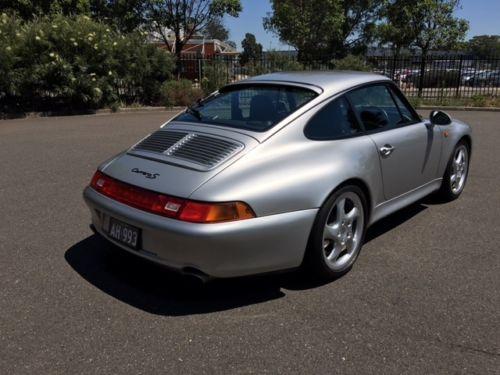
column 467, row 139
column 356, row 181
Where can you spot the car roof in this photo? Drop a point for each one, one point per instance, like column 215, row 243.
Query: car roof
column 329, row 82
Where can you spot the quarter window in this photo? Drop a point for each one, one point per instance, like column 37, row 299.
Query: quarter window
column 335, row 120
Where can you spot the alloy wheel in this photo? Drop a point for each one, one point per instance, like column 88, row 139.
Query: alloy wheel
column 459, row 169
column 343, row 231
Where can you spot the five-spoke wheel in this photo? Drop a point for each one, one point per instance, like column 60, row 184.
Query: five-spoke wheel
column 459, row 166
column 338, row 232
column 456, row 173
column 343, row 230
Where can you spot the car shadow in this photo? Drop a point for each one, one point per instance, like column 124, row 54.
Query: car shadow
column 157, row 290
column 392, row 221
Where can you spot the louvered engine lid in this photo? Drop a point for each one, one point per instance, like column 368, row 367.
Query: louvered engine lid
column 189, row 149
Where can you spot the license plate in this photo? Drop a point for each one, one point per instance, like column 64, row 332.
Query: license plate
column 124, row 233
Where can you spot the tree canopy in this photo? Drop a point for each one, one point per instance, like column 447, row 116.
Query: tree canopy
column 320, row 28
column 27, row 9
column 396, row 31
column 484, row 45
column 251, row 49
column 125, row 15
column 426, row 24
column 215, row 29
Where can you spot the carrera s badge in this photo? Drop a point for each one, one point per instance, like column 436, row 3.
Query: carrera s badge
column 145, row 174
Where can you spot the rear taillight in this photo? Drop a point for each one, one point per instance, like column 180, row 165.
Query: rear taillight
column 135, row 196
column 161, row 204
column 197, row 212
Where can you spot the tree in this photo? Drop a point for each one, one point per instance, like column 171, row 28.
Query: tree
column 426, row 24
column 215, row 29
column 251, row 49
column 429, row 24
column 397, row 32
column 484, row 46
column 27, row 9
column 124, row 15
column 185, row 18
column 320, row 28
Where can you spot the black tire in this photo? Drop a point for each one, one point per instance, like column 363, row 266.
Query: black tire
column 447, row 193
column 315, row 260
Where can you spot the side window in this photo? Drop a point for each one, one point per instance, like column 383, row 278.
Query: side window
column 408, row 115
column 376, row 108
column 335, row 120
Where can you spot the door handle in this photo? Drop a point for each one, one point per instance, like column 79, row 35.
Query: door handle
column 386, row 150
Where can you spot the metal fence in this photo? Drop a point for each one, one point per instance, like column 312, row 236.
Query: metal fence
column 433, row 77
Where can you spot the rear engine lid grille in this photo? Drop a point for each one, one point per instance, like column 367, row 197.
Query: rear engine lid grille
column 205, row 150
column 160, row 141
column 190, row 149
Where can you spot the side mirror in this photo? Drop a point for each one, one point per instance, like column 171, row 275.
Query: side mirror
column 439, row 118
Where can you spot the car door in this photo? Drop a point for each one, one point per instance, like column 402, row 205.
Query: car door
column 408, row 149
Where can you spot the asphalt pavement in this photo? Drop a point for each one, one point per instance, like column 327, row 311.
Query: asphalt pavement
column 423, row 298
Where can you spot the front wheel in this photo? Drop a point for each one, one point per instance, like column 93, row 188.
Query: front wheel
column 337, row 234
column 456, row 173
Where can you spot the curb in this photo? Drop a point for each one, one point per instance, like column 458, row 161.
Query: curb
column 97, row 112
column 453, row 108
column 139, row 109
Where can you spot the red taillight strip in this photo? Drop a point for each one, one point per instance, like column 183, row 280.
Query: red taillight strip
column 164, row 205
column 137, row 197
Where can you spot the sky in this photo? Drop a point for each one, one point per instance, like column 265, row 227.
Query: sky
column 483, row 17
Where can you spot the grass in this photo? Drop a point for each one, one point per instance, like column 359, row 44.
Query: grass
column 473, row 101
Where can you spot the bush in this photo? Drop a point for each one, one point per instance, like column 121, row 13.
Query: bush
column 273, row 62
column 180, row 93
column 58, row 62
column 351, row 62
column 278, row 62
column 478, row 100
column 215, row 75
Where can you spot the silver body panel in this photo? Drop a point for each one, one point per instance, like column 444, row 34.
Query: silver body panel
column 285, row 178
column 218, row 250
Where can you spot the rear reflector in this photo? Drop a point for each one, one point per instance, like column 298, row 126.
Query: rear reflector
column 164, row 205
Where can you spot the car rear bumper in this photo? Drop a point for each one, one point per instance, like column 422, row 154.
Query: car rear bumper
column 238, row 248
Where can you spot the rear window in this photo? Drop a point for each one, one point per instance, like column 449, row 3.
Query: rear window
column 250, row 107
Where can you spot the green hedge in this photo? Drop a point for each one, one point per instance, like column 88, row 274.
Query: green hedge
column 62, row 63
column 180, row 93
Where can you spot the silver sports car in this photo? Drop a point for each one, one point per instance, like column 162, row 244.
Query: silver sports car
column 276, row 172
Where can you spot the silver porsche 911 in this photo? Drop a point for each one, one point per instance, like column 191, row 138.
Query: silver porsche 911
column 275, row 172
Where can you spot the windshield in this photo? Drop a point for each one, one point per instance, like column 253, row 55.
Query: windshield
column 250, row 107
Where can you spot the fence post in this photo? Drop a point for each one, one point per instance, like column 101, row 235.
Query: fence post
column 421, row 78
column 393, row 72
column 457, row 94
column 199, row 69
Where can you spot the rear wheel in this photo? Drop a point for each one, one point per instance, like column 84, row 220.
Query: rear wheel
column 456, row 173
column 338, row 233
